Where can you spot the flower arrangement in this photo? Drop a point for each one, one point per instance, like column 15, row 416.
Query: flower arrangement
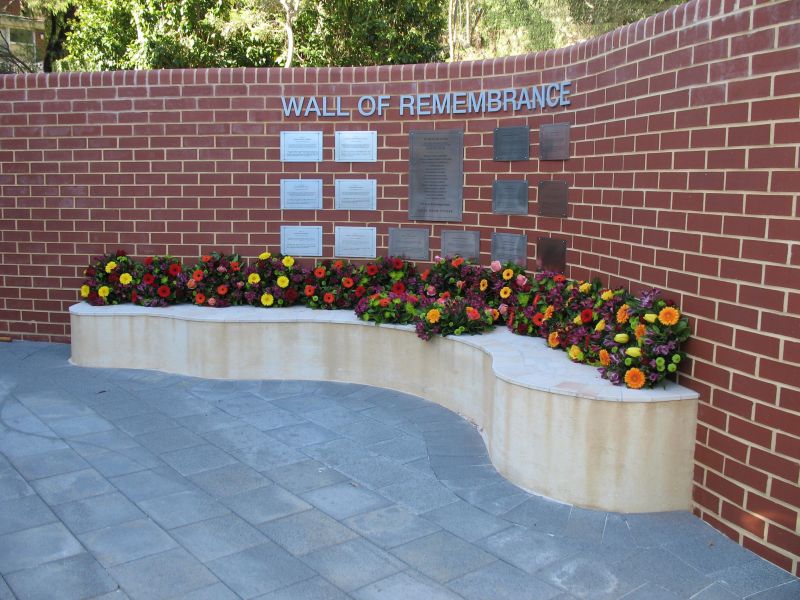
column 332, row 284
column 633, row 340
column 217, row 280
column 162, row 282
column 273, row 280
column 110, row 279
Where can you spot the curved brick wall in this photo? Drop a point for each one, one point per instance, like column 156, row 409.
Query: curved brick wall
column 684, row 175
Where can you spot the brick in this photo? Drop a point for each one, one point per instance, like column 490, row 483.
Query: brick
column 742, row 473
column 786, row 540
column 725, row 488
column 770, row 554
column 755, row 388
column 785, row 491
column 782, row 420
column 771, row 463
column 775, row 61
column 758, row 343
column 772, row 511
column 741, row 518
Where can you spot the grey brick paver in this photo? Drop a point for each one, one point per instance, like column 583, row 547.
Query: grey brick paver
column 72, row 578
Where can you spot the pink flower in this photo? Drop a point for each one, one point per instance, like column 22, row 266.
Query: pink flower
column 521, row 280
column 495, row 266
column 221, row 269
column 460, row 284
column 503, row 308
column 430, row 290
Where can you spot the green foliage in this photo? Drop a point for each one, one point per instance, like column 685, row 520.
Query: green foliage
column 600, row 16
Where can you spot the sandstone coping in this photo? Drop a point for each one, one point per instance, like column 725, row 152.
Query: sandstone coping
column 551, row 426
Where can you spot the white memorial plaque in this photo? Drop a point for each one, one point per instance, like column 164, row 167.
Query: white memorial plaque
column 355, row 242
column 301, row 240
column 356, row 146
column 301, row 146
column 356, row 194
column 301, row 194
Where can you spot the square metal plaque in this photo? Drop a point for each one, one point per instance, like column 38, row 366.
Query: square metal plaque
column 510, row 197
column 553, row 198
column 301, row 146
column 512, row 143
column 510, row 247
column 551, row 254
column 410, row 243
column 355, row 242
column 554, row 142
column 301, row 194
column 436, row 175
column 466, row 244
column 356, row 146
column 304, row 240
column 355, row 194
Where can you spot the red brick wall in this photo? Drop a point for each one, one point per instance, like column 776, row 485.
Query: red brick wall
column 684, row 176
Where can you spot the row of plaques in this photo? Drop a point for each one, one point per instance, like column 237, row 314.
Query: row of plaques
column 350, row 146
column 413, row 243
column 514, row 143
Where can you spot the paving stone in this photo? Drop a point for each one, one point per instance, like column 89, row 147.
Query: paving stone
column 404, row 449
column 367, row 431
column 73, row 578
column 391, row 526
column 209, row 420
column 419, row 493
column 305, row 476
column 229, row 480
column 302, row 403
column 265, row 504
column 751, row 577
column 333, row 416
column 651, row 591
column 150, row 484
column 500, row 581
column 302, row 434
column 77, row 426
column 586, row 525
column 353, row 564
column 656, row 529
column 495, row 498
column 218, row 537
column 189, row 461
column 121, row 409
column 709, row 552
column 31, row 547
column 46, row 464
column 336, row 452
column 93, row 443
column 118, row 594
column 13, row 485
column 540, row 514
column 311, row 589
column 167, row 440
column 217, row 591
column 162, row 576
column 242, row 404
column 112, row 463
column 343, row 500
column 147, row 423
column 59, row 489
column 404, row 586
column 272, row 417
column 259, row 570
column 443, row 556
column 254, row 447
column 307, row 531
column 126, row 542
column 16, row 444
column 530, row 550
column 716, row 591
column 466, row 521
column 587, row 575
column 98, row 512
column 182, row 508
column 786, row 591
column 24, row 513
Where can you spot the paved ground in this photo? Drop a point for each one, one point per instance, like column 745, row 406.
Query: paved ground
column 133, row 484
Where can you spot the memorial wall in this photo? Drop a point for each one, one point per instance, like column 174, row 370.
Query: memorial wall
column 662, row 154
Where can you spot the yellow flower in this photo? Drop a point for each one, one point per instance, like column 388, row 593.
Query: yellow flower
column 283, row 281
column 85, row 291
column 577, row 320
column 125, row 278
column 433, row 315
column 552, row 339
column 483, row 285
column 104, row 291
column 264, row 255
column 601, row 324
column 607, row 295
column 621, row 338
column 110, row 266
column 650, row 317
column 287, row 261
column 253, row 278
column 669, row 315
column 267, row 299
column 505, row 292
column 634, row 378
column 575, row 353
column 508, row 274
column 605, row 357
column 622, row 314
column 585, row 287
column 634, row 352
column 548, row 313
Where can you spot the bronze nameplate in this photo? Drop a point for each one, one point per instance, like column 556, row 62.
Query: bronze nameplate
column 510, row 197
column 436, row 175
column 554, row 142
column 551, row 254
column 510, row 247
column 512, row 143
column 553, row 198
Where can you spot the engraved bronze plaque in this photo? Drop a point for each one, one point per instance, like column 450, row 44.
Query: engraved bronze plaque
column 554, row 142
column 553, row 197
column 510, row 247
column 512, row 143
column 510, row 197
column 466, row 244
column 409, row 243
column 436, row 175
column 551, row 254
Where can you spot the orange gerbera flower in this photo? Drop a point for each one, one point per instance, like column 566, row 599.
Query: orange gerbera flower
column 337, row 265
column 622, row 314
column 559, row 279
column 634, row 378
column 669, row 315
column 328, row 298
column 605, row 357
column 384, row 302
column 319, row 272
column 347, row 282
column 199, row 298
column 206, row 258
column 433, row 315
column 457, row 262
column 425, row 275
column 222, row 289
column 197, row 275
column 640, row 331
column 548, row 313
column 310, row 289
column 552, row 340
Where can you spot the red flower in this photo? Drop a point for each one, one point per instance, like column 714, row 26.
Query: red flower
column 175, row 269
column 425, row 274
column 559, row 279
column 134, row 296
column 93, row 297
column 538, row 319
column 347, row 282
column 457, row 262
column 360, row 291
column 164, row 291
column 222, row 289
column 290, row 294
column 413, row 299
column 199, row 298
column 328, row 298
column 198, row 275
column 384, row 302
column 148, row 279
column 90, row 272
column 536, row 299
column 338, row 265
column 113, row 278
column 587, row 315
column 310, row 290
column 319, row 272
column 522, row 328
column 235, row 265
column 372, row 270
column 206, row 258
column 397, row 264
column 398, row 288
column 148, row 261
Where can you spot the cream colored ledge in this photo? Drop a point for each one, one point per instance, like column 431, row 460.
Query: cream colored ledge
column 551, row 426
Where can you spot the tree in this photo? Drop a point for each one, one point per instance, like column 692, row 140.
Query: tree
column 600, row 16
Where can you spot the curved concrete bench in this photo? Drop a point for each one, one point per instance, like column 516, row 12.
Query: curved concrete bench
column 551, row 426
